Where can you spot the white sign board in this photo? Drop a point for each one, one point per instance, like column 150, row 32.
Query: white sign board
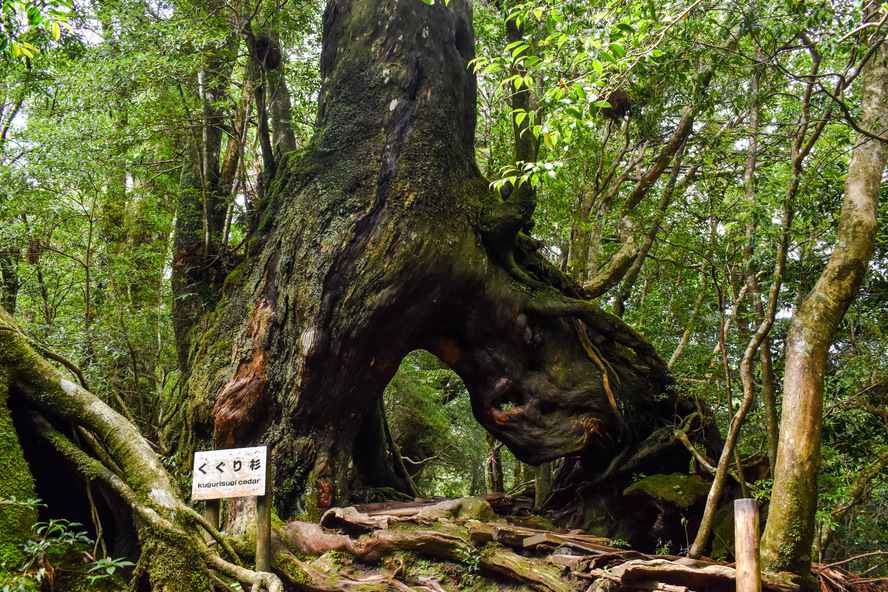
column 236, row 472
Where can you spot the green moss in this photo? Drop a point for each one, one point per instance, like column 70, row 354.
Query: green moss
column 173, row 563
column 723, row 533
column 676, row 489
column 276, row 522
column 18, row 582
column 310, row 512
column 287, row 565
column 539, row 522
column 72, row 575
column 233, row 277
column 16, row 483
column 595, row 522
column 220, row 349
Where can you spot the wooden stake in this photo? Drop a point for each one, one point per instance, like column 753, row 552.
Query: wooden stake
column 263, row 522
column 746, row 535
column 212, row 513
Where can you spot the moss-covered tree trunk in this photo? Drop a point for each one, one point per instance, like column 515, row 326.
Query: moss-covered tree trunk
column 176, row 554
column 16, row 486
column 382, row 238
column 789, row 533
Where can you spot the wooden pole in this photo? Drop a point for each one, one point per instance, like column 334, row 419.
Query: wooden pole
column 746, row 535
column 212, row 513
column 263, row 522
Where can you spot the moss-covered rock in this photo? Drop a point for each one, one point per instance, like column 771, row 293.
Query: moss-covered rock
column 464, row 508
column 677, row 490
column 538, row 522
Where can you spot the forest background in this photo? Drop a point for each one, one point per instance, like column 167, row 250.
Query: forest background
column 103, row 102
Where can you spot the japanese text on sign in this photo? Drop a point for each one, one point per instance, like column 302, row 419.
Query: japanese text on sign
column 237, row 472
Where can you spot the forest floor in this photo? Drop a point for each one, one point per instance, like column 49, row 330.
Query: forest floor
column 482, row 543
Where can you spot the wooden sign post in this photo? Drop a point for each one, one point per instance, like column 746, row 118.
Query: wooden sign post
column 746, row 536
column 212, row 512
column 237, row 472
column 263, row 525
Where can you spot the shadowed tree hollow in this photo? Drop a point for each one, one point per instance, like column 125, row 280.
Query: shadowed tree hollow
column 383, row 237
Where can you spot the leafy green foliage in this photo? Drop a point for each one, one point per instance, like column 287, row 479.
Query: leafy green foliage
column 108, row 568
column 55, row 538
column 26, row 25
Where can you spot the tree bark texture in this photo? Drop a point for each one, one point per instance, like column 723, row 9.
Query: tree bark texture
column 9, row 279
column 786, row 543
column 370, row 244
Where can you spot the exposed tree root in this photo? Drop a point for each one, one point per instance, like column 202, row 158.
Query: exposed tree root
column 514, row 556
column 175, row 557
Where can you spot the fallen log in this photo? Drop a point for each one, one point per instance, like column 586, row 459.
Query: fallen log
column 383, row 506
column 586, row 544
column 498, row 561
column 461, row 509
column 692, row 574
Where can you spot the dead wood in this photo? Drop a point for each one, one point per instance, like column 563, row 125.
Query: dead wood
column 834, row 579
column 383, row 506
column 310, row 539
column 538, row 559
column 351, row 520
column 586, row 544
column 693, row 574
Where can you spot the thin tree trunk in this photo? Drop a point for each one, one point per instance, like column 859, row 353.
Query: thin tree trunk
column 768, row 393
column 789, row 533
column 746, row 379
column 648, row 242
column 698, row 305
column 543, row 483
column 9, row 279
column 493, row 469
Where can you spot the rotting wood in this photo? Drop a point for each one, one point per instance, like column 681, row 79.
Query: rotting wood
column 580, row 543
column 310, row 539
column 480, row 534
column 429, row 583
column 383, row 506
column 571, row 562
column 660, row 586
column 522, row 538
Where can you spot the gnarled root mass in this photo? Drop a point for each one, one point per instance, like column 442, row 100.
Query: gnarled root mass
column 174, row 556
